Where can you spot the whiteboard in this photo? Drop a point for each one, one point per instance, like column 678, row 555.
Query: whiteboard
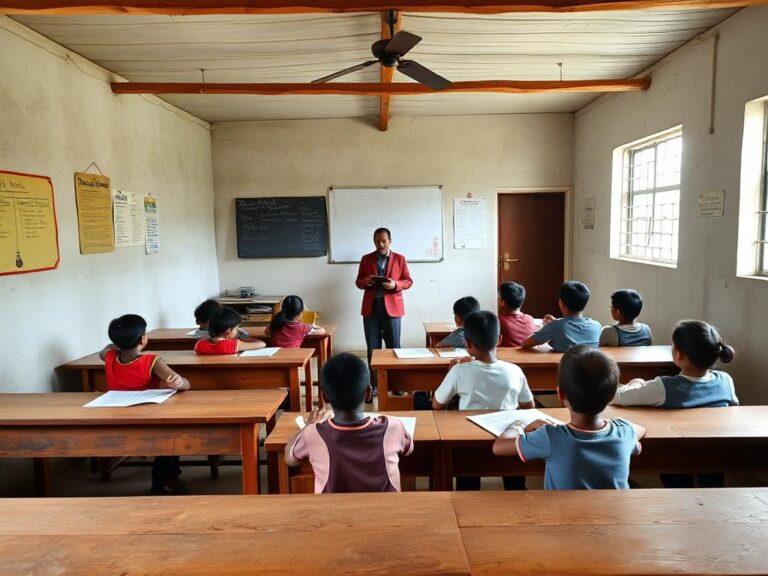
column 414, row 215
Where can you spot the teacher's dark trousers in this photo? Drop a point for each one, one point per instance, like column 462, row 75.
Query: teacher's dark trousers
column 380, row 326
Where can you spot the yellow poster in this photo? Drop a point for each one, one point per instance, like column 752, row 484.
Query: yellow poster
column 29, row 239
column 94, row 213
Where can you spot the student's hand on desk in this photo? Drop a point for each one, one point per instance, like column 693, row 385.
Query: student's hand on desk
column 535, row 425
column 389, row 284
column 461, row 360
column 547, row 319
column 174, row 382
column 319, row 415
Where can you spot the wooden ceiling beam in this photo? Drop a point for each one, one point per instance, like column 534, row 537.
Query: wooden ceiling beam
column 386, row 73
column 201, row 7
column 385, row 89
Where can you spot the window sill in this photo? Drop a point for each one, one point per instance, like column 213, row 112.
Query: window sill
column 648, row 262
column 753, row 277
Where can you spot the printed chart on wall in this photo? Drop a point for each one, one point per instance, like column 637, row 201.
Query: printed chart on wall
column 94, row 213
column 128, row 210
column 28, row 233
column 152, row 229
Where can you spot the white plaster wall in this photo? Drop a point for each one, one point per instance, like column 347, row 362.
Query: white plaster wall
column 704, row 285
column 57, row 115
column 304, row 158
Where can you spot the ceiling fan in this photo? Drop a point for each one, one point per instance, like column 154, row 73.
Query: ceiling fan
column 389, row 53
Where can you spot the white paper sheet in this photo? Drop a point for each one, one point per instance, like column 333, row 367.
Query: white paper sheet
column 497, row 422
column 452, row 353
column 413, row 353
column 262, row 352
column 116, row 398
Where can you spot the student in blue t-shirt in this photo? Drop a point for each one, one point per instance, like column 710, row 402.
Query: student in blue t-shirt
column 462, row 308
column 589, row 452
column 626, row 306
column 572, row 328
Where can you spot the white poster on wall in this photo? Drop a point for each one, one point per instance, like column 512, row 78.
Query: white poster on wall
column 712, row 203
column 128, row 214
column 470, row 223
column 152, row 226
column 589, row 214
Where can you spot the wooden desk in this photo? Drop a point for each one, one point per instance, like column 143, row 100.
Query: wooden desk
column 731, row 439
column 436, row 331
column 423, row 461
column 218, row 372
column 301, row 535
column 606, row 532
column 539, row 364
column 194, row 422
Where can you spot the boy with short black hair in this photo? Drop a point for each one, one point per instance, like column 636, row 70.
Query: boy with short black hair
column 626, row 306
column 573, row 328
column 349, row 451
column 515, row 326
column 203, row 314
column 224, row 336
column 484, row 383
column 128, row 369
column 461, row 309
column 588, row 452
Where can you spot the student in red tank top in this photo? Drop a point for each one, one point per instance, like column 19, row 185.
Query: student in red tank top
column 286, row 329
column 222, row 329
column 128, row 369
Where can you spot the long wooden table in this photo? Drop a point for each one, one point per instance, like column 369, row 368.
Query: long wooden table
column 539, row 364
column 637, row 532
column 434, row 332
column 731, row 440
column 423, row 461
column 219, row 372
column 193, row 422
column 178, row 339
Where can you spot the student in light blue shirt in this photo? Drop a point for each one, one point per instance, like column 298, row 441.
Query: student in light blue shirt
column 572, row 328
column 589, row 452
column 462, row 308
column 626, row 306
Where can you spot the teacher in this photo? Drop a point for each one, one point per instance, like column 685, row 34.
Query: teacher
column 383, row 275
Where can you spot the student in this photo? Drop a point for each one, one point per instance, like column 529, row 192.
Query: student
column 515, row 326
column 223, row 337
column 349, row 451
column 696, row 346
column 286, row 329
column 128, row 369
column 203, row 315
column 484, row 383
column 572, row 328
column 461, row 308
column 588, row 452
column 625, row 308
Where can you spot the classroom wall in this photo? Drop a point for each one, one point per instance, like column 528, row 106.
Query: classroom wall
column 57, row 115
column 704, row 285
column 472, row 154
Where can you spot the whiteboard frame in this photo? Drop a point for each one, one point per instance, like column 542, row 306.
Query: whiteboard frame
column 330, row 220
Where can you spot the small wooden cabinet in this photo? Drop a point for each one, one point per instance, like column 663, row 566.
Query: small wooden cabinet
column 255, row 311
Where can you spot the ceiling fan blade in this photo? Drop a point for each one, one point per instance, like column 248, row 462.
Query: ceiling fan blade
column 345, row 71
column 423, row 75
column 401, row 43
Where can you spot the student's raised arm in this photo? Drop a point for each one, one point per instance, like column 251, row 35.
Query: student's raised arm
column 295, row 451
column 170, row 378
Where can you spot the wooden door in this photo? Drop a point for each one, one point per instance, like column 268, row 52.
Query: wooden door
column 532, row 247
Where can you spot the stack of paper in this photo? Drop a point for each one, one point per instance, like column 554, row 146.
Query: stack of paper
column 115, row 398
column 497, row 422
column 262, row 352
column 413, row 353
column 409, row 422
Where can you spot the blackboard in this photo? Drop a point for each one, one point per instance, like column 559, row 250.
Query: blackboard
column 281, row 227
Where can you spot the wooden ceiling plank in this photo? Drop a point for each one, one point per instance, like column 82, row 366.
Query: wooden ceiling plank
column 203, row 7
column 385, row 89
column 386, row 73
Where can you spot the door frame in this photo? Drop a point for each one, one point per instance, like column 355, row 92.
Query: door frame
column 567, row 191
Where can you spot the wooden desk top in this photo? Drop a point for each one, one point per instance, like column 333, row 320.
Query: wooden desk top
column 285, row 357
column 540, row 356
column 286, row 427
column 649, row 532
column 255, row 331
column 439, row 327
column 233, row 535
column 198, row 406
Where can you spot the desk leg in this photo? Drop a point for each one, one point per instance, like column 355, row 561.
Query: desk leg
column 42, row 476
column 437, row 460
column 85, row 377
column 249, row 452
column 308, row 384
column 381, row 376
column 283, row 480
column 444, row 479
column 323, row 354
column 294, row 392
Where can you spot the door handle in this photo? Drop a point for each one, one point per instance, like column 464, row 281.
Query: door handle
column 505, row 260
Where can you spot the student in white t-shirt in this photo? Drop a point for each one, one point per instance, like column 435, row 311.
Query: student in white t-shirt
column 484, row 383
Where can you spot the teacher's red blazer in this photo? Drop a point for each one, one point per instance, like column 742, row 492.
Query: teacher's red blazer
column 397, row 269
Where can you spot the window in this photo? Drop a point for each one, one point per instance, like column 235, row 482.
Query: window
column 762, row 214
column 650, row 199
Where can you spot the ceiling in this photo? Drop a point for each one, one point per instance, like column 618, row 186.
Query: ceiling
column 302, row 47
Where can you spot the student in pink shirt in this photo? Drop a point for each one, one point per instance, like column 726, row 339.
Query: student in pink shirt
column 515, row 326
column 286, row 329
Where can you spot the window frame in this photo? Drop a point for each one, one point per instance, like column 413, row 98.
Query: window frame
column 762, row 207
